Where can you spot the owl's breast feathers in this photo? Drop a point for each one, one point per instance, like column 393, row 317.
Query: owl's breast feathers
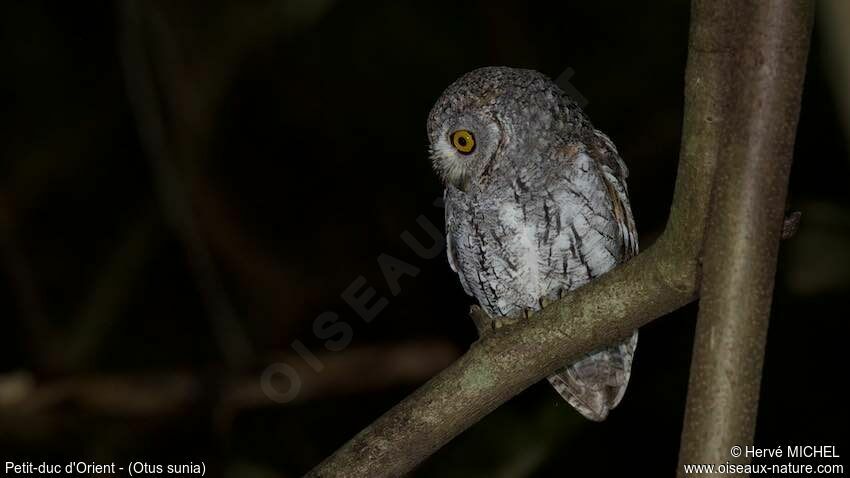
column 528, row 238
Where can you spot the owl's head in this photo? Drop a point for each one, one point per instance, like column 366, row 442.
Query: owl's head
column 490, row 116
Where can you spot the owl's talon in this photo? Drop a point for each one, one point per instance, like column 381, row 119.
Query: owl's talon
column 481, row 320
column 501, row 322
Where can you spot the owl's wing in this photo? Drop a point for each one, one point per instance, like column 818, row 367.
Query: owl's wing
column 614, row 173
column 595, row 384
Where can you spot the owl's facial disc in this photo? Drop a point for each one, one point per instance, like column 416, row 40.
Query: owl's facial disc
column 460, row 149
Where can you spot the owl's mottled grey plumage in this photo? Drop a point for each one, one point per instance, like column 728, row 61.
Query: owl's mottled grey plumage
column 539, row 207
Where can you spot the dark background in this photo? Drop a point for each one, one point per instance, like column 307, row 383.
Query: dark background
column 144, row 281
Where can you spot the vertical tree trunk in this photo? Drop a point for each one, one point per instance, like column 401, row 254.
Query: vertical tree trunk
column 759, row 50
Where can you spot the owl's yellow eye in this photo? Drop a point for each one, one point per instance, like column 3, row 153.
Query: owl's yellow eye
column 463, row 141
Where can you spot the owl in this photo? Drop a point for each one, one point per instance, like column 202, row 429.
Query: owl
column 536, row 205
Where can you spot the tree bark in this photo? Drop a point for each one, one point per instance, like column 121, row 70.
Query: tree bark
column 759, row 52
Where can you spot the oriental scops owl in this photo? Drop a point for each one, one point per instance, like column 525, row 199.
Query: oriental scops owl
column 536, row 205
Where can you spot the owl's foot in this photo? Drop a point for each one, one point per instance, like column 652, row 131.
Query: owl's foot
column 545, row 301
column 500, row 322
column 482, row 321
column 486, row 324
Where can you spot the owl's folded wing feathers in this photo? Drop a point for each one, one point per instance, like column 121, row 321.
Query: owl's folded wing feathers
column 615, row 172
column 596, row 383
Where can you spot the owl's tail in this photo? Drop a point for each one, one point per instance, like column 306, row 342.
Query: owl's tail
column 596, row 383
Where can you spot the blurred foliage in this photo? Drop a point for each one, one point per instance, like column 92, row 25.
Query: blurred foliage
column 308, row 121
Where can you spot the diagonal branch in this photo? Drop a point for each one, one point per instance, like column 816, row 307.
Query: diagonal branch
column 761, row 50
column 159, row 95
column 513, row 358
column 22, row 280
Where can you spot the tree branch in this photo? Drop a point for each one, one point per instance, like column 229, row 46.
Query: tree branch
column 22, row 280
column 168, row 116
column 33, row 407
column 760, row 49
column 512, row 358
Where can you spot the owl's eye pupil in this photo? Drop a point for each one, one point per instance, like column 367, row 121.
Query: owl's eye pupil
column 463, row 141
